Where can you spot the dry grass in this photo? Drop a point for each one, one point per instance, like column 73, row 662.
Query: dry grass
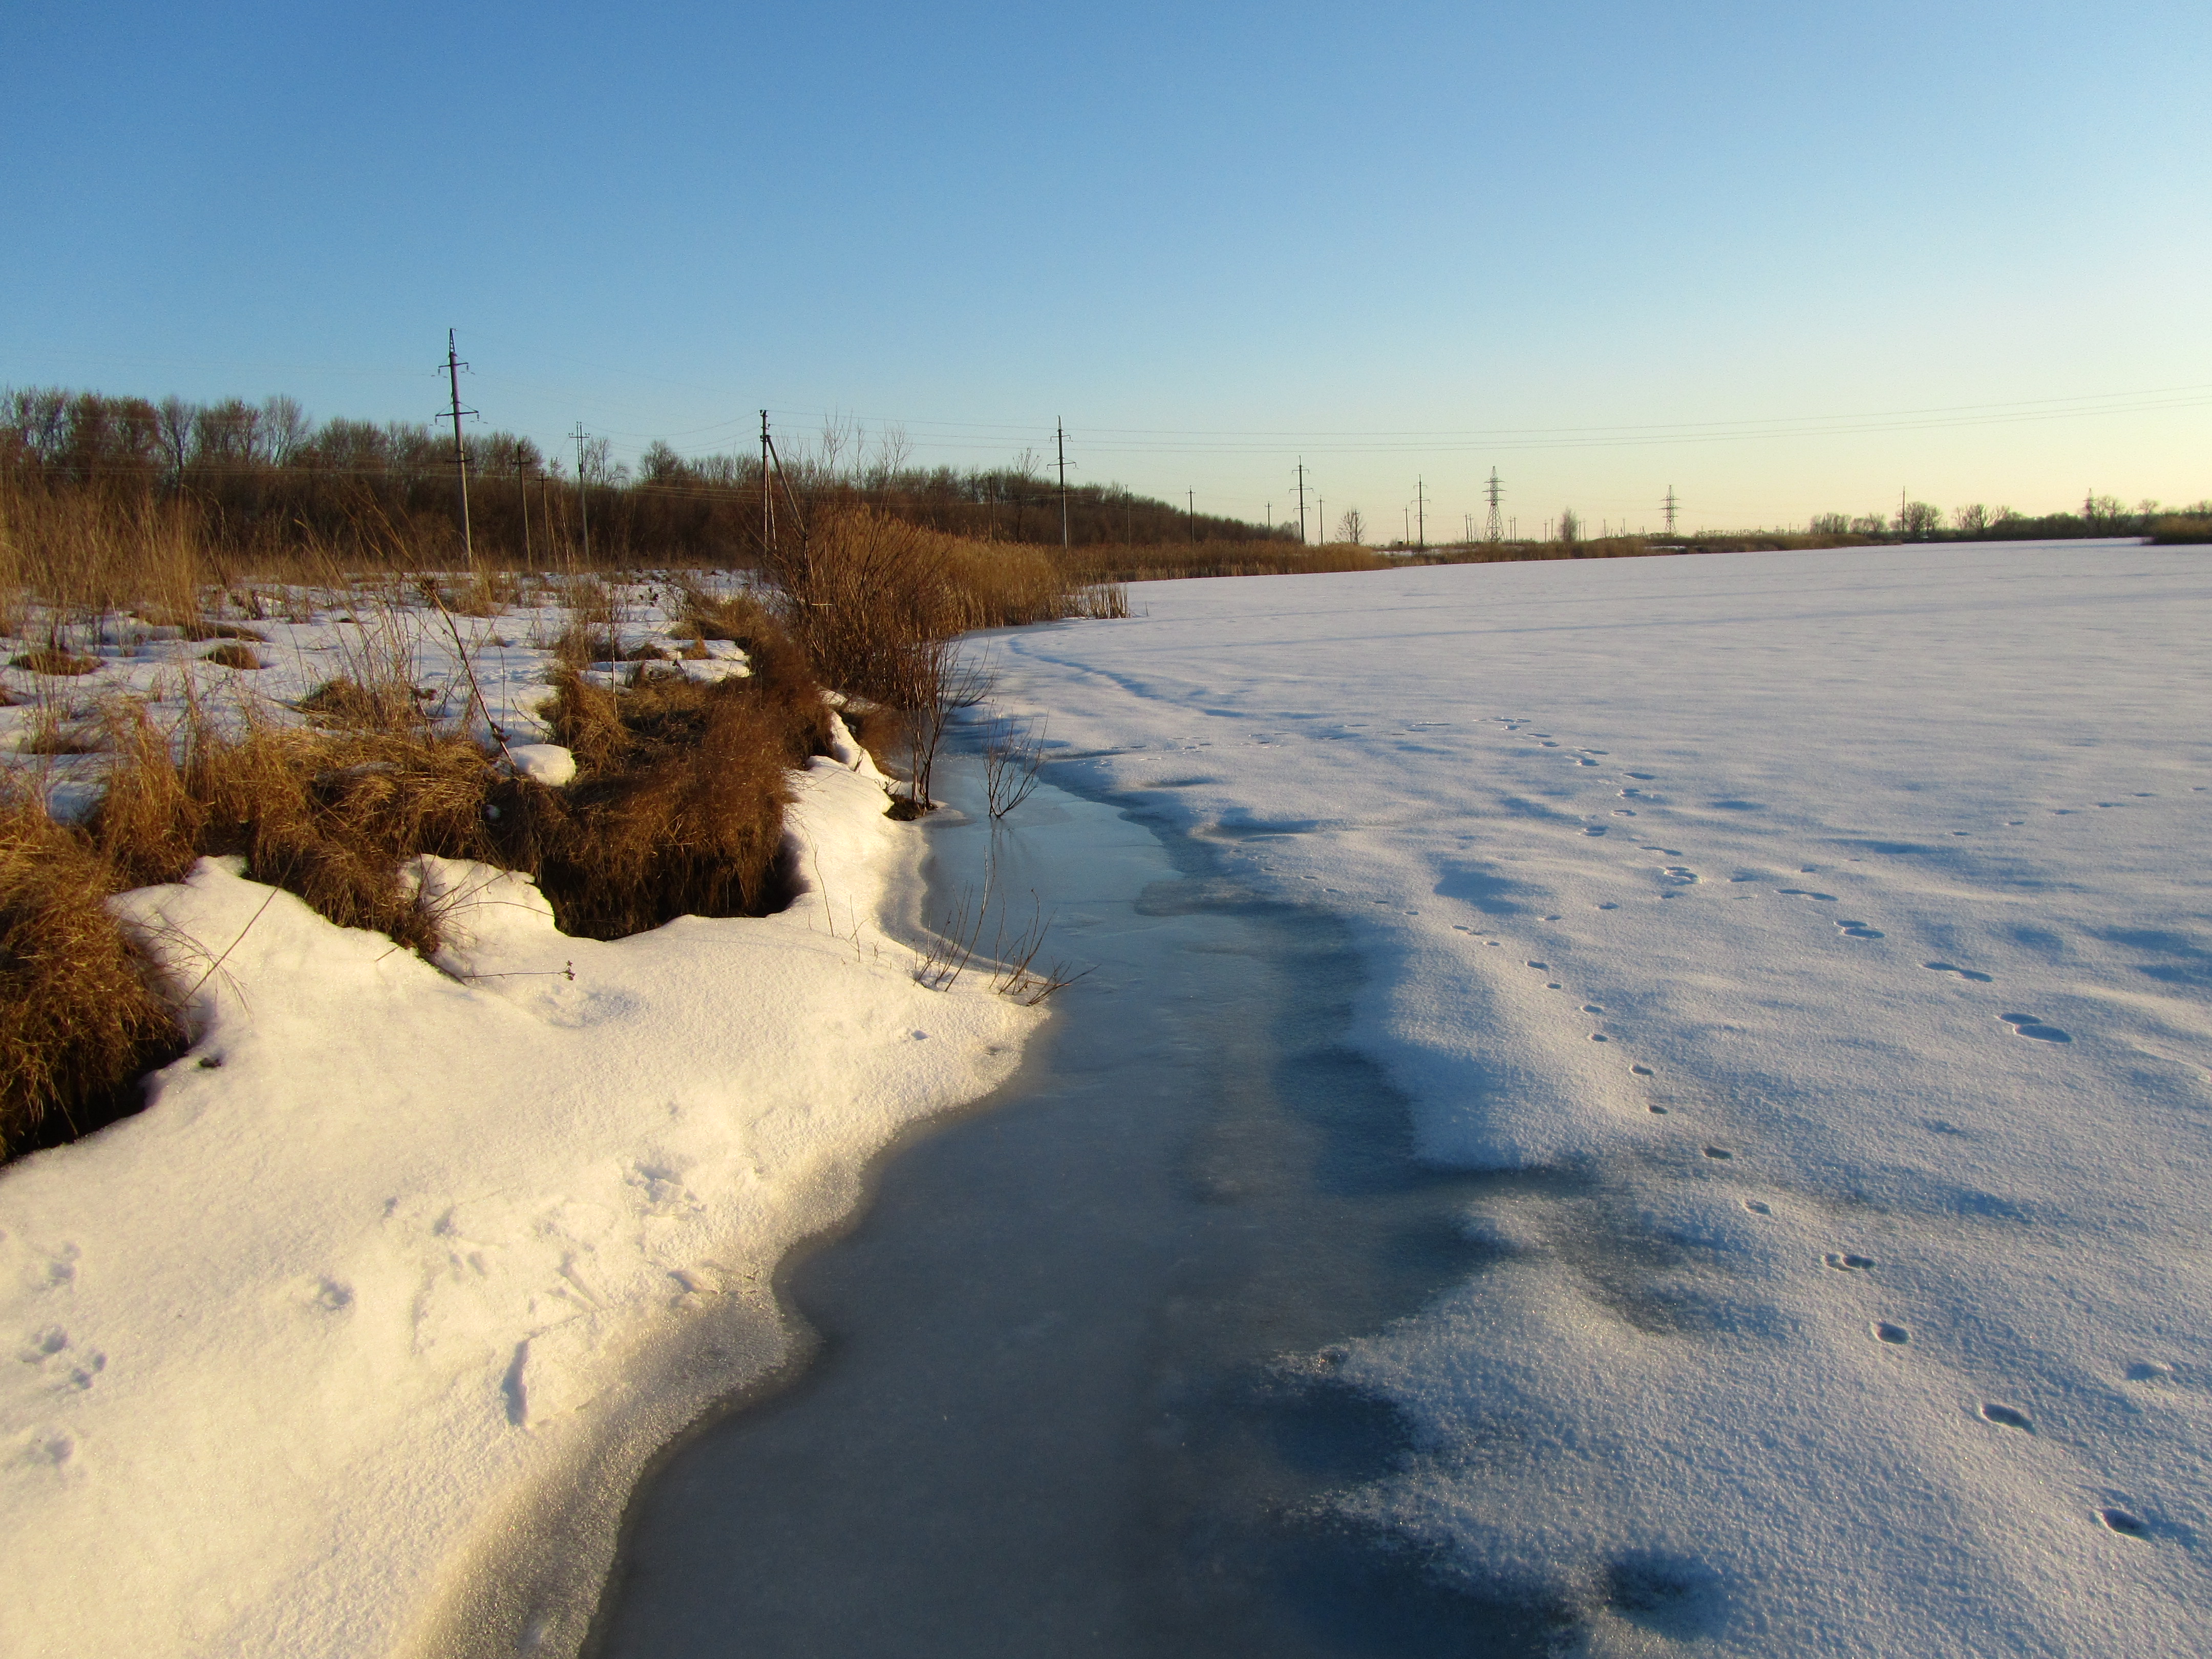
column 2181, row 530
column 329, row 816
column 82, row 1010
column 52, row 659
column 1167, row 560
column 678, row 804
column 231, row 654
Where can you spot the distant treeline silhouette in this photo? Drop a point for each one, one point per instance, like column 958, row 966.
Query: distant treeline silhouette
column 265, row 476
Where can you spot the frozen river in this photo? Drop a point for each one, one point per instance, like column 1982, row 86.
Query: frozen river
column 1075, row 1390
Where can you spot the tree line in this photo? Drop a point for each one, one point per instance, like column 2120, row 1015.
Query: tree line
column 266, row 476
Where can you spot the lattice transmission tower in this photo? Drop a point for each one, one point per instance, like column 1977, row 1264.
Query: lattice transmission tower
column 1669, row 504
column 1493, row 527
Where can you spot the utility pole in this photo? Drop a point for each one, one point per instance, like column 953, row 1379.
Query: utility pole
column 1492, row 528
column 1321, row 520
column 768, row 501
column 1190, row 512
column 1059, row 438
column 1421, row 512
column 1405, row 520
column 453, row 367
column 1469, row 517
column 522, row 487
column 1670, row 505
column 1301, row 504
column 583, row 500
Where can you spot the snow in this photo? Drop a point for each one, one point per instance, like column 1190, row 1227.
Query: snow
column 405, row 1258
column 1828, row 936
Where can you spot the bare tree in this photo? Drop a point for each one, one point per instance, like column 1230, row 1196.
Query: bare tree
column 1918, row 520
column 1971, row 521
column 1350, row 527
column 1571, row 527
column 174, row 419
column 284, row 429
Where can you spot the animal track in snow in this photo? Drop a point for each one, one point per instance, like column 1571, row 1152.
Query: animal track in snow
column 1592, row 1008
column 2121, row 1521
column 2034, row 1025
column 1804, row 892
column 1599, row 1036
column 1542, row 967
column 1718, row 1152
column 2006, row 1417
column 1848, row 1264
column 1593, row 830
column 1641, row 1070
column 1860, row 930
column 1758, row 1208
column 1679, row 876
column 1895, row 1336
column 1963, row 973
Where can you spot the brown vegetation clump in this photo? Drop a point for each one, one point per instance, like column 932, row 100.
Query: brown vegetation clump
column 1167, row 560
column 678, row 804
column 82, row 1011
column 2181, row 530
column 52, row 659
column 349, row 705
column 871, row 596
column 329, row 816
column 232, row 654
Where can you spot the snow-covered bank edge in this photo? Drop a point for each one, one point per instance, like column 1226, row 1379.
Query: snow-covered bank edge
column 355, row 1341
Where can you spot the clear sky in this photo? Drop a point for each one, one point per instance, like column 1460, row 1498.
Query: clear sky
column 1784, row 257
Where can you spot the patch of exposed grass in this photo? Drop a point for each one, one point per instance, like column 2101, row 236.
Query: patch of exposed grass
column 52, row 659
column 232, row 654
column 82, row 1010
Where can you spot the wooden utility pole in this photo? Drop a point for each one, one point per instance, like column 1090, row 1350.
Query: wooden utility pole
column 583, row 500
column 1190, row 512
column 768, row 501
column 1420, row 513
column 453, row 367
column 522, row 488
column 1059, row 442
column 1302, row 502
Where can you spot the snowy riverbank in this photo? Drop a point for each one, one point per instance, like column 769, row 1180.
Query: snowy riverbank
column 400, row 1264
column 1838, row 927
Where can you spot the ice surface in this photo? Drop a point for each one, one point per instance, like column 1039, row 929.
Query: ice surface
column 1838, row 924
column 351, row 1343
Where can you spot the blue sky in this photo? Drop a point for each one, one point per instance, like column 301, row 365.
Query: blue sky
column 1785, row 259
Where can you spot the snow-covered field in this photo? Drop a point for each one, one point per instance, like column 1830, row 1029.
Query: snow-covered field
column 352, row 1342
column 1836, row 927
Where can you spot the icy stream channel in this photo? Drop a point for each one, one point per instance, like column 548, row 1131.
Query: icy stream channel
column 1074, row 1389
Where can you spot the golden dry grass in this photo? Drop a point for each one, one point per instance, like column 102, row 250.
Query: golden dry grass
column 82, row 1010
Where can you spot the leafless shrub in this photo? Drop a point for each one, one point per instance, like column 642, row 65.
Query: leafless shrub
column 1013, row 749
